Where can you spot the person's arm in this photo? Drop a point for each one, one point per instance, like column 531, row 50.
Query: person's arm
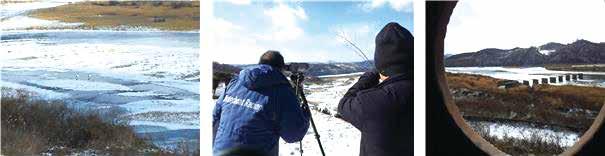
column 294, row 121
column 350, row 106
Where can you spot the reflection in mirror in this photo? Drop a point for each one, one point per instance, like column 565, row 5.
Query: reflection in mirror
column 524, row 80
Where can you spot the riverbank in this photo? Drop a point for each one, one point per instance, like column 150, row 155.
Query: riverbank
column 584, row 67
column 57, row 129
column 572, row 108
column 179, row 16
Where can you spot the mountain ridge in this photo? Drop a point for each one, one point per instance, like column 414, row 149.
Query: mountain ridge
column 579, row 52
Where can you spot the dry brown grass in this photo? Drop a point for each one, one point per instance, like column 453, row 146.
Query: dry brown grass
column 178, row 15
column 478, row 97
column 31, row 127
column 546, row 104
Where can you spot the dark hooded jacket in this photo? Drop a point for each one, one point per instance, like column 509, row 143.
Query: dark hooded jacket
column 383, row 111
column 256, row 109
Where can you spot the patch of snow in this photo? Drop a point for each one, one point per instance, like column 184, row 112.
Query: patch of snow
column 24, row 22
column 81, row 85
column 546, row 52
column 43, row 93
column 521, row 132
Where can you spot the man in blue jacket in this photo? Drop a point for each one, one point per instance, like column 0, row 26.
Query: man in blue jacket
column 257, row 108
column 380, row 103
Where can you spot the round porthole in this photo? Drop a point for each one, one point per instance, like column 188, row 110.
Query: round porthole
column 544, row 115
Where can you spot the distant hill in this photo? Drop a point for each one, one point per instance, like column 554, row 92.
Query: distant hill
column 578, row 52
column 315, row 69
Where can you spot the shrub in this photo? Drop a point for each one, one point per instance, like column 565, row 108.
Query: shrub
column 31, row 126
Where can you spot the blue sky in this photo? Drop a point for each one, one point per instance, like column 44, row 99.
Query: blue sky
column 302, row 31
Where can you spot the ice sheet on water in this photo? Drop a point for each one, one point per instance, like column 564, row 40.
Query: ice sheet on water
column 152, row 61
column 143, row 94
column 186, row 105
column 521, row 74
column 81, row 85
column 167, row 125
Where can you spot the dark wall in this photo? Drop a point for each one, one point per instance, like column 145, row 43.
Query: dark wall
column 444, row 137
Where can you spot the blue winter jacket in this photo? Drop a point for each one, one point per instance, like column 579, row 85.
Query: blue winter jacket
column 256, row 109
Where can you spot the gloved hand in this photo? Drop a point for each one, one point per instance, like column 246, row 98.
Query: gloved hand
column 368, row 79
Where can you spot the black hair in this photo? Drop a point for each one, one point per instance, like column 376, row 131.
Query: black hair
column 272, row 58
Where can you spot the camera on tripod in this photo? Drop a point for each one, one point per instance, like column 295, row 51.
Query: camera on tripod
column 297, row 77
column 297, row 67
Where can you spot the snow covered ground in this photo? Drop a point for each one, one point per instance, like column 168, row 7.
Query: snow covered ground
column 337, row 136
column 152, row 76
column 520, row 131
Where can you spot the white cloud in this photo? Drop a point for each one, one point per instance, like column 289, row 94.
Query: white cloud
column 477, row 24
column 285, row 22
column 240, row 2
column 398, row 5
column 232, row 43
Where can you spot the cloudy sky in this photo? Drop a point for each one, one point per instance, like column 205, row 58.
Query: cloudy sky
column 479, row 24
column 301, row 31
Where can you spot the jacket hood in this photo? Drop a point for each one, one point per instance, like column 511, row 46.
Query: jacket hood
column 261, row 76
column 394, row 50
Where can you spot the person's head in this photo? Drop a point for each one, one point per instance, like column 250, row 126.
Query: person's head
column 394, row 51
column 274, row 59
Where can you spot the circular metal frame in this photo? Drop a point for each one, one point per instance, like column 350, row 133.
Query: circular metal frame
column 454, row 111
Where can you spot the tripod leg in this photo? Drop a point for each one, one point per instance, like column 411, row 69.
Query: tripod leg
column 300, row 148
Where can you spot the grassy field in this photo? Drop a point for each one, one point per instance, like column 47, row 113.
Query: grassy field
column 167, row 15
column 572, row 107
column 32, row 127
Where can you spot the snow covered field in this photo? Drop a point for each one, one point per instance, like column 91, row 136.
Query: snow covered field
column 150, row 76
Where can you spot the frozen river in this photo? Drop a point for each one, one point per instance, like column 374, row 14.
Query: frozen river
column 520, row 74
column 150, row 77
